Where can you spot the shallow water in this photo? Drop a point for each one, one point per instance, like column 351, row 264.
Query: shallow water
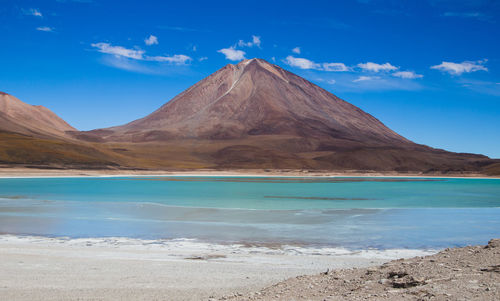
column 355, row 213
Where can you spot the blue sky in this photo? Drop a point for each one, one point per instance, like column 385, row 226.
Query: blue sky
column 428, row 69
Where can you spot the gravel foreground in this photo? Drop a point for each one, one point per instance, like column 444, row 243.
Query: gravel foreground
column 469, row 273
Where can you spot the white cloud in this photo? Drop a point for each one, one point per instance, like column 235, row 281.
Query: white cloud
column 233, row 54
column 365, row 78
column 45, row 28
column 374, row 67
column 301, row 63
column 203, row 58
column 332, row 81
column 296, row 50
column 337, row 67
column 459, row 68
column 304, row 63
column 255, row 42
column 178, row 59
column 152, row 40
column 33, row 12
column 407, row 74
column 120, row 51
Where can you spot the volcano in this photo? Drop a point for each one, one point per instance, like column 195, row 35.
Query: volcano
column 255, row 98
column 255, row 114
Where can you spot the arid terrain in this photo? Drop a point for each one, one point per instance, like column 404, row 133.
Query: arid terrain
column 252, row 115
column 470, row 273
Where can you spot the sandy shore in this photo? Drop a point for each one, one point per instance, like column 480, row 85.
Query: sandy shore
column 37, row 268
column 14, row 172
column 470, row 273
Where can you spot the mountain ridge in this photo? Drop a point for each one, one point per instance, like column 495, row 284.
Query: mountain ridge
column 250, row 115
column 38, row 120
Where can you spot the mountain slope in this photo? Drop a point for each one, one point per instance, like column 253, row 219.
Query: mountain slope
column 35, row 136
column 17, row 116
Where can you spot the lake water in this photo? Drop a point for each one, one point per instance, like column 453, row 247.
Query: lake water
column 355, row 213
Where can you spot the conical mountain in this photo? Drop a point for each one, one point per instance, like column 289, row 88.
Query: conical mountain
column 255, row 98
column 257, row 115
column 20, row 117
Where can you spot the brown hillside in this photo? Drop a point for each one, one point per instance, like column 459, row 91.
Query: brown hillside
column 20, row 117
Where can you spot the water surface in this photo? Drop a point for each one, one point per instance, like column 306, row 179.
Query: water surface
column 347, row 212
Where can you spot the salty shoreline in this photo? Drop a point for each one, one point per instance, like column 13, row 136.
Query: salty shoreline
column 468, row 273
column 13, row 172
column 41, row 268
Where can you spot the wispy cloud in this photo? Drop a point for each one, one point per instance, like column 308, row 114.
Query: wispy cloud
column 374, row 67
column 377, row 83
column 365, row 78
column 407, row 74
column 151, row 40
column 45, row 28
column 484, row 87
column 32, row 12
column 296, row 50
column 328, row 81
column 463, row 4
column 137, row 54
column 255, row 42
column 179, row 59
column 119, row 51
column 123, row 63
column 463, row 14
column 233, row 54
column 463, row 67
column 356, row 83
column 304, row 63
column 335, row 67
column 468, row 15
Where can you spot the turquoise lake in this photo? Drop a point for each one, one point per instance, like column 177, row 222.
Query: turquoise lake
column 355, row 213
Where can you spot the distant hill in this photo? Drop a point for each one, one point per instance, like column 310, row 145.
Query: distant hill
column 20, row 117
column 35, row 136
